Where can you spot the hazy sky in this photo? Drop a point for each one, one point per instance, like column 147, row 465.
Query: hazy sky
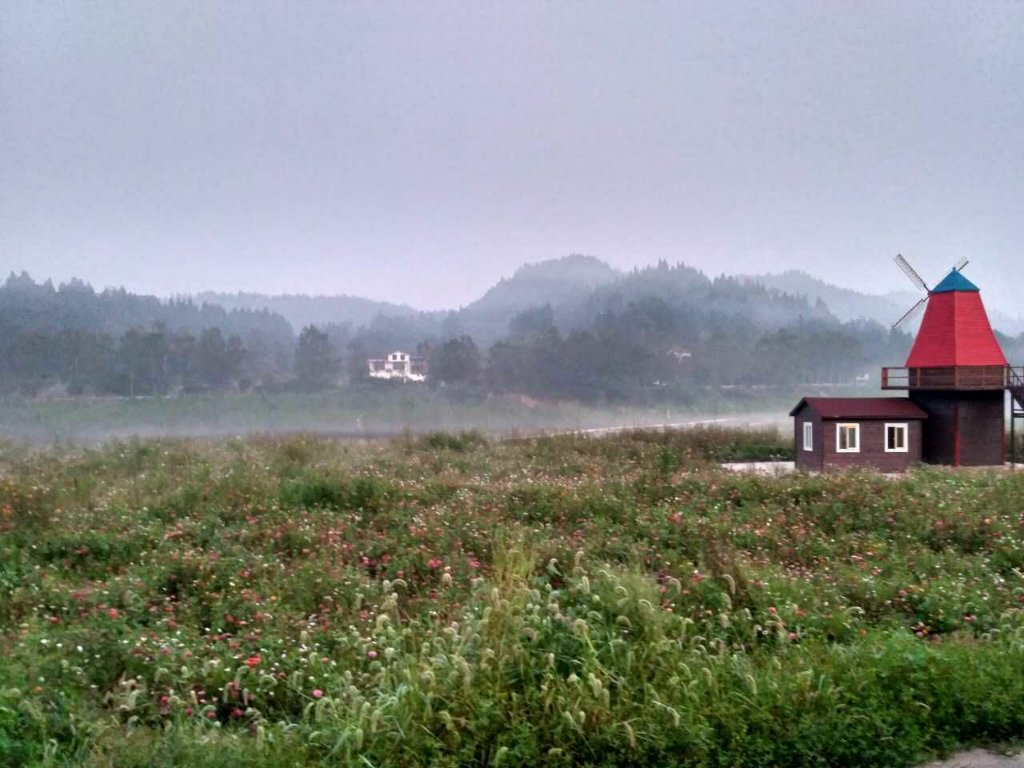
column 419, row 151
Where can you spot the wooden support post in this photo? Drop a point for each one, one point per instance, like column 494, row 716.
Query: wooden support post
column 1013, row 433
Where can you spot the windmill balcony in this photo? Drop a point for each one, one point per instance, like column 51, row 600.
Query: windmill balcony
column 958, row 377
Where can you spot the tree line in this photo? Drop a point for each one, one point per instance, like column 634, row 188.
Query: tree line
column 632, row 347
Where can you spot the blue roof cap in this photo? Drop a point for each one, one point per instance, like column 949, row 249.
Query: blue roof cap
column 954, row 281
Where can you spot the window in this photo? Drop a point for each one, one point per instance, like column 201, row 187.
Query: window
column 848, row 438
column 896, row 438
column 808, row 436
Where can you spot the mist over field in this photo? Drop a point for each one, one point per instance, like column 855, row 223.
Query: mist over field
column 86, row 421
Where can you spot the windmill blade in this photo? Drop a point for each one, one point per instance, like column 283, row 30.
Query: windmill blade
column 961, row 264
column 909, row 312
column 909, row 271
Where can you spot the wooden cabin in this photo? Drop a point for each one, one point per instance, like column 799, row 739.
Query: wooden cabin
column 845, row 432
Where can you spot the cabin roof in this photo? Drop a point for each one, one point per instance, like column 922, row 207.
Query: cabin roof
column 861, row 408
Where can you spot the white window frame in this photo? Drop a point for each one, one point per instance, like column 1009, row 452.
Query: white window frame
column 905, row 428
column 856, row 437
column 808, row 435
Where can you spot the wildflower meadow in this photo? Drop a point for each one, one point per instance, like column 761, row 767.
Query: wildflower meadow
column 448, row 600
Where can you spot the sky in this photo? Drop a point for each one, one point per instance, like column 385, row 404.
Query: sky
column 419, row 151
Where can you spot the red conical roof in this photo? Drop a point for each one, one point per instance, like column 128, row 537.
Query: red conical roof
column 955, row 331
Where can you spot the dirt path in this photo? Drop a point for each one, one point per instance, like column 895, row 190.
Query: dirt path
column 748, row 421
column 980, row 758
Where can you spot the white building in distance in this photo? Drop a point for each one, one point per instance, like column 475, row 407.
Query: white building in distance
column 399, row 366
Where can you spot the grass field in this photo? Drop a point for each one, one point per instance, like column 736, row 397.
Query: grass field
column 446, row 600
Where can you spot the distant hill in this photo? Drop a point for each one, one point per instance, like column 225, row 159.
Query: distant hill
column 301, row 310
column 76, row 306
column 844, row 303
column 847, row 304
column 561, row 283
column 555, row 282
column 572, row 293
column 682, row 286
column 581, row 292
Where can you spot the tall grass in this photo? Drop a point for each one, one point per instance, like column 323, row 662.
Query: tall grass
column 455, row 601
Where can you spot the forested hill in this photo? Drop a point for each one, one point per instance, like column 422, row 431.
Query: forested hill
column 72, row 339
column 557, row 282
column 660, row 331
column 564, row 283
column 577, row 293
column 76, row 306
column 301, row 311
column 571, row 328
column 690, row 291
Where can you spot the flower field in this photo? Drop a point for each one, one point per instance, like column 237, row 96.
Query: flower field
column 450, row 601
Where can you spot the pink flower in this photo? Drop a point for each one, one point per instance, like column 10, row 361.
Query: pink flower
column 317, row 693
column 372, row 654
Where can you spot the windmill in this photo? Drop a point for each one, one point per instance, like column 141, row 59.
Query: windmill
column 956, row 372
column 919, row 283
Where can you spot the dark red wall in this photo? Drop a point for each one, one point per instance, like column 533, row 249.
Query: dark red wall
column 872, row 447
column 963, row 428
column 939, row 443
column 872, row 444
column 808, row 460
column 983, row 430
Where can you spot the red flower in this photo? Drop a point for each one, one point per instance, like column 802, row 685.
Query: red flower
column 253, row 661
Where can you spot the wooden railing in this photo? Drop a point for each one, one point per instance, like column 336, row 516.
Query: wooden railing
column 953, row 377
